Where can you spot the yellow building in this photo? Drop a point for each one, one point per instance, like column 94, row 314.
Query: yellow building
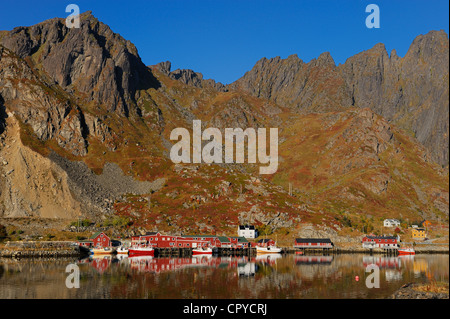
column 418, row 233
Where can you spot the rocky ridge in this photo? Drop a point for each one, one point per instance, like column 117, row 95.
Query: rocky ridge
column 411, row 92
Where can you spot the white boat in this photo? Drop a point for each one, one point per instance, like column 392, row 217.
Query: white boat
column 268, row 250
column 122, row 250
column 202, row 251
column 102, row 250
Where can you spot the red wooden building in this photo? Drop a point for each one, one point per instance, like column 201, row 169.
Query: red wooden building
column 158, row 240
column 99, row 239
column 380, row 242
column 313, row 243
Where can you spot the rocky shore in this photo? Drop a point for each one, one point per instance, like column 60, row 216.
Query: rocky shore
column 420, row 291
column 39, row 250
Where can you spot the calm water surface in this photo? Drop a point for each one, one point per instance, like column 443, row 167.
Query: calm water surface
column 270, row 276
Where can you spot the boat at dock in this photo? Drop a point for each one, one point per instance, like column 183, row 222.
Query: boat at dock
column 202, row 251
column 141, row 251
column 406, row 251
column 102, row 250
column 268, row 250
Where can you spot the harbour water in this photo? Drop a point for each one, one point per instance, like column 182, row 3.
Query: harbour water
column 266, row 276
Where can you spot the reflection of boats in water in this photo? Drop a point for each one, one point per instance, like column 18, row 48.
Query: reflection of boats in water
column 247, row 269
column 268, row 258
column 141, row 251
column 102, row 250
column 268, row 250
column 202, row 251
column 312, row 260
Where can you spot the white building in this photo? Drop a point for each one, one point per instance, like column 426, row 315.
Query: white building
column 247, row 231
column 391, row 223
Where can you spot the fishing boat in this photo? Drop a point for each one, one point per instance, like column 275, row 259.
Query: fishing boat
column 202, row 251
column 406, row 251
column 141, row 251
column 268, row 250
column 102, row 250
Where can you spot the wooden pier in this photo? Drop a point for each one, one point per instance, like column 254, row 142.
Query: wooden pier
column 234, row 251
column 173, row 252
column 187, row 252
column 337, row 250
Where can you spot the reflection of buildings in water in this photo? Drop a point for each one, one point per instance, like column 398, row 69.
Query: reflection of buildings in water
column 420, row 266
column 319, row 266
column 100, row 263
column 383, row 261
column 157, row 265
column 393, row 275
column 247, row 269
column 406, row 259
column 311, row 260
column 268, row 259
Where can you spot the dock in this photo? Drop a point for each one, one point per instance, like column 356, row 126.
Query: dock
column 187, row 252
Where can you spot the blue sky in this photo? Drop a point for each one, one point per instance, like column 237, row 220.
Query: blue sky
column 224, row 39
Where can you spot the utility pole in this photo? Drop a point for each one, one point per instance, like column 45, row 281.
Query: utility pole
column 290, row 189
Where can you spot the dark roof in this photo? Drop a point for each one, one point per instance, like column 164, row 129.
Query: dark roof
column 247, row 226
column 242, row 240
column 223, row 239
column 264, row 241
column 381, row 237
column 199, row 236
column 150, row 233
column 313, row 240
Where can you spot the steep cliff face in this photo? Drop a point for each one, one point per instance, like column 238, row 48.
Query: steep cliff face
column 91, row 62
column 30, row 184
column 411, row 91
column 46, row 109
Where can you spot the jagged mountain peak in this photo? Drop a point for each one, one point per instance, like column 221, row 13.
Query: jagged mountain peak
column 91, row 61
column 411, row 91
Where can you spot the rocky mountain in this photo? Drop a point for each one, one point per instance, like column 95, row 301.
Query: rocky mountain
column 91, row 62
column 85, row 130
column 189, row 77
column 411, row 92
